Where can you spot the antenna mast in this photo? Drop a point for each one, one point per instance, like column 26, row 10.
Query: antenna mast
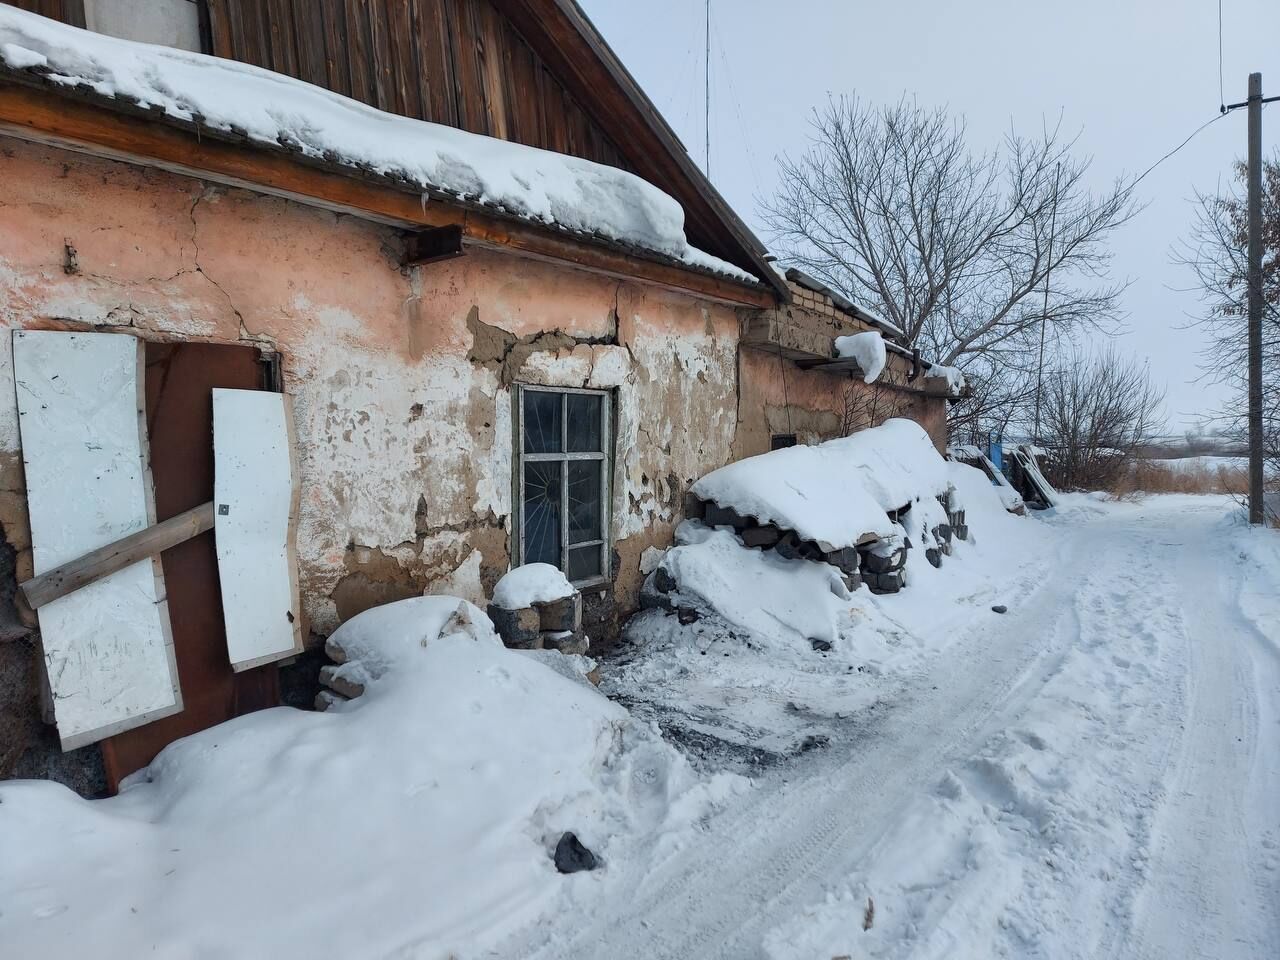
column 706, row 96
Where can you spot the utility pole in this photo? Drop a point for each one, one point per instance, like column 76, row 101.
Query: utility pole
column 1255, row 298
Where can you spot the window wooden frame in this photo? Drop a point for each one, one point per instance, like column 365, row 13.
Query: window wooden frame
column 565, row 457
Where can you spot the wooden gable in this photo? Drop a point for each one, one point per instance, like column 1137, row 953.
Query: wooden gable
column 455, row 62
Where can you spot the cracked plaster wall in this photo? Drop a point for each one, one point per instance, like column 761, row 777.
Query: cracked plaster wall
column 402, row 380
column 776, row 397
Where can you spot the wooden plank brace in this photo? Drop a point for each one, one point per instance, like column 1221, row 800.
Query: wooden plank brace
column 104, row 561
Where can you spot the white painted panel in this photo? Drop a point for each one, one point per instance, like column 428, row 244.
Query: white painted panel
column 170, row 23
column 255, row 505
column 107, row 647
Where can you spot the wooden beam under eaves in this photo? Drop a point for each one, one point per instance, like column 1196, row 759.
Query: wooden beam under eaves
column 84, row 122
column 433, row 245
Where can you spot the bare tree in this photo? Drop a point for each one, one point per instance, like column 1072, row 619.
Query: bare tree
column 1098, row 408
column 1216, row 253
column 890, row 206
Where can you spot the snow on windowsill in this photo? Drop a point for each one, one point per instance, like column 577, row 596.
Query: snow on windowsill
column 552, row 189
column 532, row 583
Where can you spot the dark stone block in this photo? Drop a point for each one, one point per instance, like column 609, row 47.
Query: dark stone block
column 1000, row 608
column 687, row 615
column 822, row 646
column 934, row 556
column 718, row 516
column 653, row 600
column 962, row 532
column 762, row 537
column 885, row 582
column 518, row 628
column 942, row 533
column 788, row 546
column 847, row 559
column 881, row 563
column 810, row 550
column 558, row 616
column 694, row 507
column 572, row 857
column 663, row 581
column 573, row 642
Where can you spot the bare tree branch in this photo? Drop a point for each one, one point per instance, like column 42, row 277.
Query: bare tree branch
column 890, row 206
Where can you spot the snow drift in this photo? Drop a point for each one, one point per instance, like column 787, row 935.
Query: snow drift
column 835, row 493
column 417, row 818
column 538, row 185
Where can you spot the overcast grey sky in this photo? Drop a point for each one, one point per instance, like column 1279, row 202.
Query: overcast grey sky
column 1134, row 78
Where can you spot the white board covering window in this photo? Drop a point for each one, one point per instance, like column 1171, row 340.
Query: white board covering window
column 563, row 480
column 255, row 498
column 108, row 647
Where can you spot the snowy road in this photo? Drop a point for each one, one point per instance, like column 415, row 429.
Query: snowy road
column 1095, row 774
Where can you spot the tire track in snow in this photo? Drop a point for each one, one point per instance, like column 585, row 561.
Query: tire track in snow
column 754, row 865
column 1213, row 891
column 1127, row 615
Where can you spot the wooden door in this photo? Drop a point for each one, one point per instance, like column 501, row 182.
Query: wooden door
column 180, row 378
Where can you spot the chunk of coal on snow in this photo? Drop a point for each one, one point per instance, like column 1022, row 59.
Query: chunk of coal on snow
column 1000, row 608
column 820, row 645
column 571, row 856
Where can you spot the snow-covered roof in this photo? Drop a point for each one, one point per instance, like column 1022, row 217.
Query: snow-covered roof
column 561, row 192
column 835, row 493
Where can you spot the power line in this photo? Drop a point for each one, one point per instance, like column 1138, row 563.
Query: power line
column 736, row 99
column 1213, row 119
column 1222, row 96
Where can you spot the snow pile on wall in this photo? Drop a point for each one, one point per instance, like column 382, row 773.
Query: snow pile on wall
column 419, row 817
column 790, row 600
column 789, row 603
column 953, row 376
column 532, row 583
column 836, row 492
column 748, row 657
column 868, row 350
column 896, row 462
column 538, row 185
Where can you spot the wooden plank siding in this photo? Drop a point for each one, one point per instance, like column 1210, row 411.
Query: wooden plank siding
column 456, row 62
column 66, row 11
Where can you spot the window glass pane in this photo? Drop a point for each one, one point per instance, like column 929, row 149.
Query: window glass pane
column 584, row 423
column 542, row 512
column 584, row 563
column 541, row 421
column 584, row 500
